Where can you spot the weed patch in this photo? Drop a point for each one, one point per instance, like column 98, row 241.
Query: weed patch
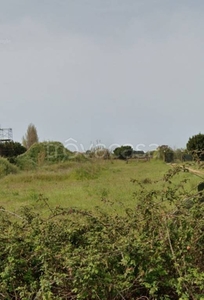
column 152, row 251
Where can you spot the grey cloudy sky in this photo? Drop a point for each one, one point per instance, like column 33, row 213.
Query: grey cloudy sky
column 119, row 71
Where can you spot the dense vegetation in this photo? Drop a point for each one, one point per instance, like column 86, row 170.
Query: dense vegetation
column 196, row 146
column 40, row 153
column 6, row 167
column 147, row 246
column 11, row 150
column 123, row 152
column 90, row 226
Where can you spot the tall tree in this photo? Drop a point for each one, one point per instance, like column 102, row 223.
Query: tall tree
column 196, row 146
column 123, row 152
column 31, row 136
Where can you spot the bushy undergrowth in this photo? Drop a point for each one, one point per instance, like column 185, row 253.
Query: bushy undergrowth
column 6, row 167
column 25, row 163
column 154, row 251
column 39, row 153
column 87, row 171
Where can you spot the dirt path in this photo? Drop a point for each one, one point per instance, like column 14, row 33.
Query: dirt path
column 194, row 171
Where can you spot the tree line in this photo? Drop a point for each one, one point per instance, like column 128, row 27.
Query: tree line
column 194, row 149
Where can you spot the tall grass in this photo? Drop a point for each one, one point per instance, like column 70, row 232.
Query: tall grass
column 86, row 184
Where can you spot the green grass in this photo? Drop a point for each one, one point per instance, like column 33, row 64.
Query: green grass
column 6, row 167
column 118, row 254
column 85, row 184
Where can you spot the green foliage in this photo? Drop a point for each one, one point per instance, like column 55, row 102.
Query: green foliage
column 25, row 163
column 98, row 152
column 78, row 157
column 181, row 154
column 164, row 153
column 139, row 154
column 45, row 152
column 11, row 150
column 123, row 152
column 187, row 157
column 196, row 146
column 90, row 170
column 154, row 251
column 6, row 167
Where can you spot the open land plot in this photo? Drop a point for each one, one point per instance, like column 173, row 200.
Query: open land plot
column 86, row 184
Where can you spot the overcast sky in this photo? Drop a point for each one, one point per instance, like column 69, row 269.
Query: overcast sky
column 118, row 71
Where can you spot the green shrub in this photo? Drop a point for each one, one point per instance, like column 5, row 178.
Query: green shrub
column 79, row 157
column 11, row 149
column 6, row 167
column 25, row 163
column 149, row 252
column 90, row 170
column 196, row 146
column 41, row 153
column 123, row 152
column 164, row 153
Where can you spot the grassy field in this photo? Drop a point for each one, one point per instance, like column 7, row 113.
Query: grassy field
column 142, row 243
column 85, row 184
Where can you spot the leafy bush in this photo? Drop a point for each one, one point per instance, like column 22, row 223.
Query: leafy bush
column 40, row 153
column 79, row 157
column 196, row 146
column 154, row 251
column 123, row 152
column 6, row 167
column 187, row 157
column 11, row 150
column 164, row 153
column 25, row 163
column 90, row 170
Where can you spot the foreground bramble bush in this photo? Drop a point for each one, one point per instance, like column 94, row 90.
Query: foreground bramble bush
column 152, row 252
